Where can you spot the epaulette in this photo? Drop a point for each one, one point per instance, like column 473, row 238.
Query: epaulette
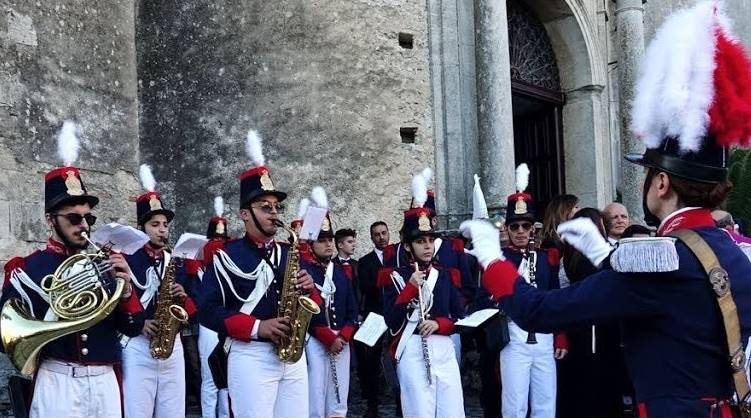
column 210, row 249
column 384, row 277
column 12, row 264
column 457, row 245
column 645, row 255
column 192, row 266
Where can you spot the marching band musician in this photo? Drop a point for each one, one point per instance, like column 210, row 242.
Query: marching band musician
column 154, row 387
column 421, row 303
column 240, row 296
column 684, row 297
column 528, row 370
column 328, row 351
column 78, row 374
column 214, row 402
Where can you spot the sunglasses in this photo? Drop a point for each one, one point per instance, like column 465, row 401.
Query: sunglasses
column 76, row 219
column 268, row 207
column 515, row 227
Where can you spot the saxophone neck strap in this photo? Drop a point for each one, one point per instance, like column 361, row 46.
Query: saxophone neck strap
column 718, row 278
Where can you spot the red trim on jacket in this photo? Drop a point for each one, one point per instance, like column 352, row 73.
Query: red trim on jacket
column 12, row 264
column 192, row 266
column 560, row 341
column 325, row 335
column 389, row 252
column 384, row 277
column 239, row 326
column 457, row 245
column 456, row 277
column 316, row 297
column 499, row 278
column 190, row 306
column 132, row 305
column 686, row 219
column 347, row 332
column 210, row 249
column 554, row 256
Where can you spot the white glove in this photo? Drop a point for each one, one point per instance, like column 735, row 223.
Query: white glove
column 583, row 234
column 486, row 243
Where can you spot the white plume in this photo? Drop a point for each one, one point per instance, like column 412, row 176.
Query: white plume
column 419, row 190
column 147, row 178
column 522, row 177
column 254, row 148
column 302, row 208
column 319, row 198
column 479, row 207
column 218, row 206
column 676, row 84
column 68, row 143
column 427, row 174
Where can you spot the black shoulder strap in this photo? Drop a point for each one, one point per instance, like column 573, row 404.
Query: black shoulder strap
column 718, row 277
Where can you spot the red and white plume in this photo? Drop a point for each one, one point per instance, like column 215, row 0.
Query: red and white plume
column 254, row 149
column 147, row 178
column 68, row 143
column 695, row 82
column 218, row 206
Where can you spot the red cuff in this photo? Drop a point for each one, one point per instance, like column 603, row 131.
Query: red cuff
column 347, row 332
column 132, row 305
column 407, row 294
column 325, row 335
column 445, row 325
column 190, row 306
column 316, row 297
column 561, row 341
column 499, row 278
column 239, row 326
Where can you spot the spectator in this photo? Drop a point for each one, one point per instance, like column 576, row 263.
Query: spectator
column 616, row 221
column 724, row 220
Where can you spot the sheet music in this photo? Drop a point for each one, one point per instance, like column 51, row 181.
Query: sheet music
column 190, row 246
column 311, row 224
column 477, row 318
column 371, row 329
column 123, row 238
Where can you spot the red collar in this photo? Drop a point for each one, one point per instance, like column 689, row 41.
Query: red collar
column 260, row 244
column 686, row 218
column 59, row 248
column 154, row 253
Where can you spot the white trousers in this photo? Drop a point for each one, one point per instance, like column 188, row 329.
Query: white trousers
column 321, row 390
column 260, row 386
column 443, row 397
column 151, row 387
column 214, row 402
column 59, row 394
column 457, row 339
column 528, row 375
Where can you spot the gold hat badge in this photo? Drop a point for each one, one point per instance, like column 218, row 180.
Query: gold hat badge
column 219, row 228
column 521, row 206
column 266, row 183
column 423, row 223
column 73, row 184
column 154, row 203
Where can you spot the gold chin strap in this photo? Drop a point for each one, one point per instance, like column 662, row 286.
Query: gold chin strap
column 718, row 277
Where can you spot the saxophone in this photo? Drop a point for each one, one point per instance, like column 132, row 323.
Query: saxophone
column 293, row 305
column 168, row 316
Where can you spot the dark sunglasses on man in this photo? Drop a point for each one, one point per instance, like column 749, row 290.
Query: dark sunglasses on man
column 77, row 218
column 269, row 208
column 524, row 225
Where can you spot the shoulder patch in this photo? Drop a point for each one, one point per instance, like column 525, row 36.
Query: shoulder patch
column 210, row 249
column 645, row 255
column 12, row 264
column 384, row 277
column 457, row 245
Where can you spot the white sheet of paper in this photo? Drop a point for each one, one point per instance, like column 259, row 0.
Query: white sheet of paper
column 190, row 246
column 311, row 224
column 123, row 238
column 477, row 318
column 371, row 329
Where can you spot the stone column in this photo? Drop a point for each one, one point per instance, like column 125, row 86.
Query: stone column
column 494, row 111
column 629, row 15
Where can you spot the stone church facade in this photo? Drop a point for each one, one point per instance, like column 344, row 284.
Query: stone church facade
column 353, row 95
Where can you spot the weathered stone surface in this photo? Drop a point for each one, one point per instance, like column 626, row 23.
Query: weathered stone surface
column 325, row 83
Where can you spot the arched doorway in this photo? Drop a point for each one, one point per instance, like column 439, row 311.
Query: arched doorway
column 537, row 103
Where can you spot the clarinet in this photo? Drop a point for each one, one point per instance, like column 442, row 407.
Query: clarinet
column 532, row 269
column 334, row 376
column 424, row 340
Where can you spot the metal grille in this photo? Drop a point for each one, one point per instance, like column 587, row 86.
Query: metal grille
column 532, row 58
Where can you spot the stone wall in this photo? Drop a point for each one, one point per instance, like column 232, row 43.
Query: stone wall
column 326, row 84
column 64, row 60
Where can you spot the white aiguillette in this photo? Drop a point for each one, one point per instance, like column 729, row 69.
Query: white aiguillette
column 190, row 246
column 122, row 238
column 311, row 225
column 371, row 329
column 477, row 318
